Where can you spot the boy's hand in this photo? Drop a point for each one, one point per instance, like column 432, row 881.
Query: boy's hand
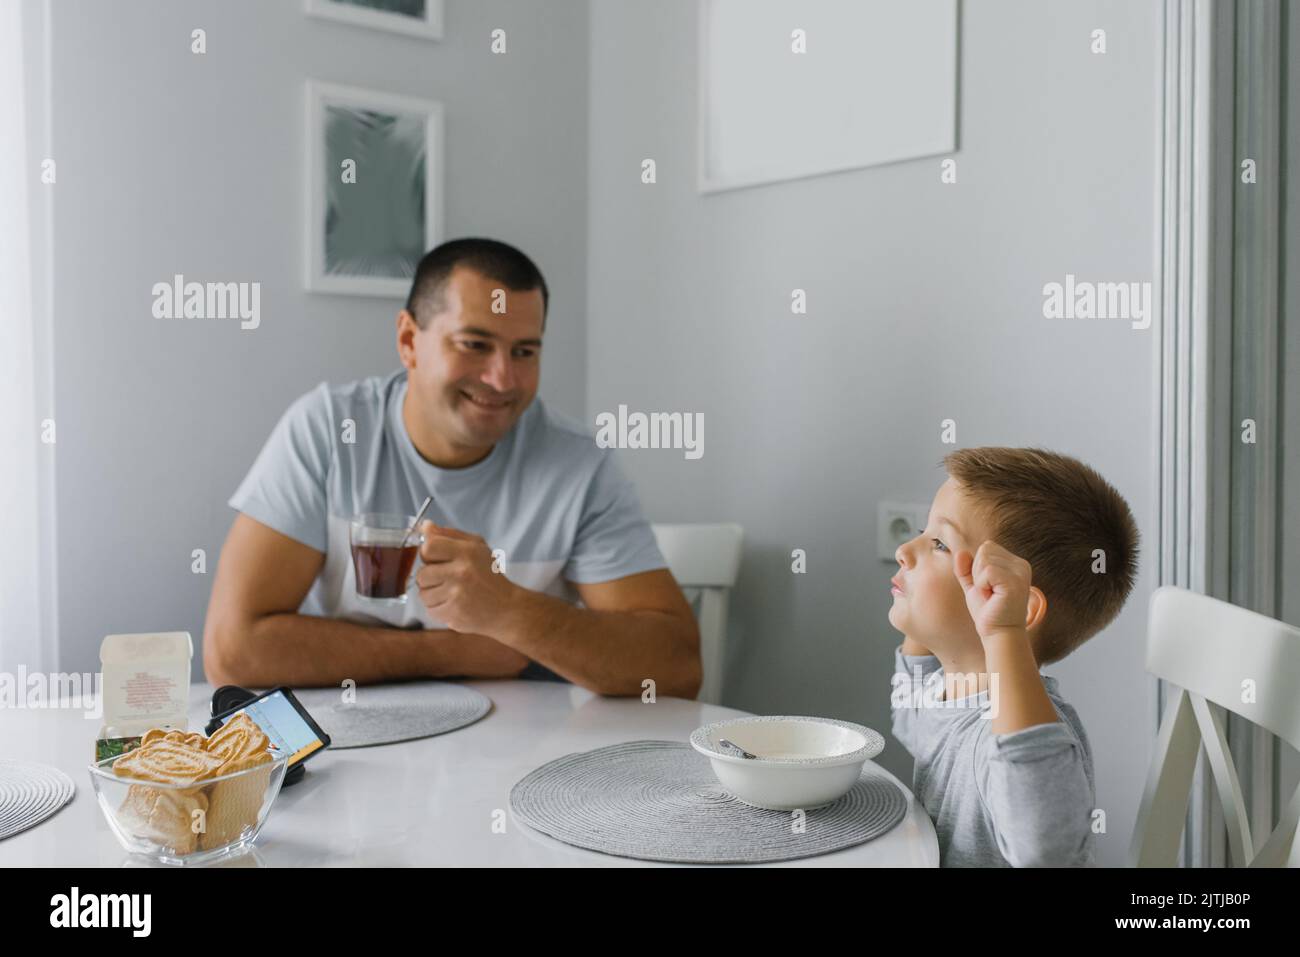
column 996, row 583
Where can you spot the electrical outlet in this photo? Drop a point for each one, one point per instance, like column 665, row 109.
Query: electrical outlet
column 897, row 523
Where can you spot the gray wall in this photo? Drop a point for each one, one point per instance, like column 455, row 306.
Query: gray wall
column 1289, row 542
column 170, row 162
column 924, row 303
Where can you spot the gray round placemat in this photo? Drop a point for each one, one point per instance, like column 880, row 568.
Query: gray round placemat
column 384, row 714
column 29, row 793
column 660, row 801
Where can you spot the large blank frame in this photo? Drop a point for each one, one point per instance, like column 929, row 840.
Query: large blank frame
column 877, row 84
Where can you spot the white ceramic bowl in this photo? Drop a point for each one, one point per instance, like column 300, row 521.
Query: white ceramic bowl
column 800, row 762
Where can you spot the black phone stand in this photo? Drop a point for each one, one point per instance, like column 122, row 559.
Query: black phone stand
column 232, row 696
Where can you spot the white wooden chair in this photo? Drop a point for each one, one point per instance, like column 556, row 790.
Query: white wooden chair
column 1210, row 650
column 704, row 559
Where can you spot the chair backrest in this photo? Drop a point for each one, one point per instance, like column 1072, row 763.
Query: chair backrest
column 1219, row 656
column 705, row 559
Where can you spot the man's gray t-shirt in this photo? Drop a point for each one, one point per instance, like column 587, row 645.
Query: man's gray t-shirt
column 1023, row 799
column 553, row 501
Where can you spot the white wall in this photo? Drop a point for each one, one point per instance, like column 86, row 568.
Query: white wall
column 924, row 303
column 171, row 162
column 21, row 618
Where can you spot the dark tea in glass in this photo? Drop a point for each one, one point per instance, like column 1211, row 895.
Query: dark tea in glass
column 382, row 557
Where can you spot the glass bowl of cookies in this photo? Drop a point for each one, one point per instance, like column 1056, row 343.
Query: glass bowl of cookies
column 183, row 798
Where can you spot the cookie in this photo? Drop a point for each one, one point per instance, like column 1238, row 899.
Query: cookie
column 163, row 816
column 168, row 762
column 240, row 724
column 234, row 805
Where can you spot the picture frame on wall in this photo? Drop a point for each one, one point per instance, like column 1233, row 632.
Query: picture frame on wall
column 374, row 181
column 420, row 18
column 879, row 87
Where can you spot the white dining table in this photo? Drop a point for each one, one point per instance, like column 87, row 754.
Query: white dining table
column 439, row 801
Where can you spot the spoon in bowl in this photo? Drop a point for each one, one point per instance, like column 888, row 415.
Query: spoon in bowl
column 735, row 747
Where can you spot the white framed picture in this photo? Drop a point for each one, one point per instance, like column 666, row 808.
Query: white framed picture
column 790, row 90
column 421, row 18
column 374, row 181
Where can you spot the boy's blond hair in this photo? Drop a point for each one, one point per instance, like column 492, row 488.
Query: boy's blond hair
column 1056, row 513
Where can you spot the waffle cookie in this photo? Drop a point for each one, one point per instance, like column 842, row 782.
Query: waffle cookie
column 164, row 816
column 235, row 804
column 168, row 762
column 237, row 738
column 191, row 739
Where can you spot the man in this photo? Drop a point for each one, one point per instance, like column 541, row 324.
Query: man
column 506, row 474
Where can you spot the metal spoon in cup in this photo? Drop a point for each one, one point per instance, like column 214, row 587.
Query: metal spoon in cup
column 418, row 515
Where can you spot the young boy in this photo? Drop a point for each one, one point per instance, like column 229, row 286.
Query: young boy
column 1025, row 556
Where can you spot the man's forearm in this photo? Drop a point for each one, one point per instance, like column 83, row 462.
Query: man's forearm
column 305, row 651
column 610, row 652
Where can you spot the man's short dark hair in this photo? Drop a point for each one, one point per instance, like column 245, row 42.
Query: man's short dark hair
column 489, row 257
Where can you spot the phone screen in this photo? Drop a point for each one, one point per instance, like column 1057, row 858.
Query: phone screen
column 288, row 732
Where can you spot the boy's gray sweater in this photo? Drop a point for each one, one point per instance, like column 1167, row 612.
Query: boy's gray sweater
column 1023, row 799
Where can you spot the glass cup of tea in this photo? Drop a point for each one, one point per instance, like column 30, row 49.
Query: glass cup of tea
column 383, row 557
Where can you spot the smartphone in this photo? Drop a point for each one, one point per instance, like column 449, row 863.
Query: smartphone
column 286, row 722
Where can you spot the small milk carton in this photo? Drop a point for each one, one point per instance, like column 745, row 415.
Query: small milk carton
column 146, row 685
